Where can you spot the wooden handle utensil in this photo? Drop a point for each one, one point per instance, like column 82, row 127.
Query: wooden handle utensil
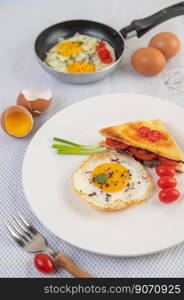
column 64, row 262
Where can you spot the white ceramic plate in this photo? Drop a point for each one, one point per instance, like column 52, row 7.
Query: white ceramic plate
column 142, row 229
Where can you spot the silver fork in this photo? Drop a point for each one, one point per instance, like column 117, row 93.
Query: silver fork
column 33, row 241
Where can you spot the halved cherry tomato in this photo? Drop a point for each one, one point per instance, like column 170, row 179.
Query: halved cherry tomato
column 164, row 170
column 105, row 55
column 142, row 154
column 169, row 195
column 143, row 131
column 44, row 263
column 168, row 162
column 100, row 45
column 115, row 144
column 167, row 182
column 154, row 135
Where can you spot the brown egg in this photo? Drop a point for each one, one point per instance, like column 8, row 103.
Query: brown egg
column 35, row 100
column 167, row 42
column 148, row 61
column 17, row 121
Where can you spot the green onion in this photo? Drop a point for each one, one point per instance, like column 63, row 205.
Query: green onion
column 81, row 151
column 66, row 142
column 73, row 148
column 73, row 144
column 84, row 147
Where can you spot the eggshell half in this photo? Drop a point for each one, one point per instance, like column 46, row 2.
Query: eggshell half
column 35, row 100
column 13, row 109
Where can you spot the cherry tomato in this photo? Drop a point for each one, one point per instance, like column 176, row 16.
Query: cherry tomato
column 168, row 162
column 169, row 195
column 154, row 135
column 143, row 131
column 167, row 182
column 142, row 154
column 44, row 263
column 115, row 144
column 164, row 170
column 100, row 45
column 105, row 55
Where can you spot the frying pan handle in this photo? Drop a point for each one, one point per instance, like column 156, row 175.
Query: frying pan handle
column 141, row 26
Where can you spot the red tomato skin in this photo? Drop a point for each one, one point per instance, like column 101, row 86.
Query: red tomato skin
column 142, row 154
column 116, row 144
column 164, row 170
column 169, row 195
column 44, row 263
column 154, row 135
column 104, row 55
column 167, row 182
column 107, row 60
column 168, row 162
column 101, row 45
column 143, row 131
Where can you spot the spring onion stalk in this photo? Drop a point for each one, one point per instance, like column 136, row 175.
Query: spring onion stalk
column 74, row 144
column 81, row 151
column 85, row 147
column 73, row 148
column 66, row 142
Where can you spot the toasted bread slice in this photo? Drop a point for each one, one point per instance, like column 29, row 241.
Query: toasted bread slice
column 127, row 133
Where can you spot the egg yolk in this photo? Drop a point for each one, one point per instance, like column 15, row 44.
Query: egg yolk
column 81, row 67
column 18, row 124
column 110, row 177
column 69, row 48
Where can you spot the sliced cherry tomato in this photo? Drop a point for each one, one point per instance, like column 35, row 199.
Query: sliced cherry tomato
column 168, row 162
column 101, row 45
column 115, row 144
column 44, row 263
column 143, row 131
column 107, row 60
column 164, row 170
column 169, row 195
column 154, row 135
column 105, row 55
column 167, row 182
column 142, row 154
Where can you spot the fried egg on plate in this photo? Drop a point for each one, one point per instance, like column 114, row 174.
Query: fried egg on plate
column 112, row 181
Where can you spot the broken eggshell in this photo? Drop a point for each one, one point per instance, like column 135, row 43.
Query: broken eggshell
column 35, row 100
column 16, row 120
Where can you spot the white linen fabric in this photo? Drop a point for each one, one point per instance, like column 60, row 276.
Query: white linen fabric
column 20, row 23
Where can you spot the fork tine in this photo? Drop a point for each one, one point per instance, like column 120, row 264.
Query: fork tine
column 15, row 236
column 16, row 229
column 26, row 224
column 25, row 229
column 21, row 229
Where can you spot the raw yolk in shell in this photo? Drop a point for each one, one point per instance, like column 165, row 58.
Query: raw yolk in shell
column 18, row 124
column 116, row 177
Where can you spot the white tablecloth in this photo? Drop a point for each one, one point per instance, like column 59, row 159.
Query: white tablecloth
column 20, row 23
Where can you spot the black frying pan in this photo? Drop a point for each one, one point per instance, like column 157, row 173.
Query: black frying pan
column 49, row 37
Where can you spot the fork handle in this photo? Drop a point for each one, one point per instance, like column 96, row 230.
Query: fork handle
column 64, row 262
